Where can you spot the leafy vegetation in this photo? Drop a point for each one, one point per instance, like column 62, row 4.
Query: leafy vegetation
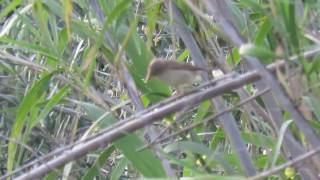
column 72, row 73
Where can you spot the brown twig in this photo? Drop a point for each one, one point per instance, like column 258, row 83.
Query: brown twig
column 221, row 14
column 56, row 153
column 294, row 161
column 206, row 120
column 121, row 129
column 229, row 124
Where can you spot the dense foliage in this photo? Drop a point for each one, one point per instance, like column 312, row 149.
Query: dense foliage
column 70, row 70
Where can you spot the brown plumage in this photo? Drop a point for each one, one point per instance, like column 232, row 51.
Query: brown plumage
column 172, row 72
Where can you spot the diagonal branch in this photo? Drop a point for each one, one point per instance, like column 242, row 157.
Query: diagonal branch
column 229, row 124
column 224, row 20
column 294, row 161
column 131, row 88
column 220, row 12
column 121, row 128
column 85, row 148
column 206, row 120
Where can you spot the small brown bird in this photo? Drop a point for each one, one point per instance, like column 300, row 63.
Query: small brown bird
column 176, row 74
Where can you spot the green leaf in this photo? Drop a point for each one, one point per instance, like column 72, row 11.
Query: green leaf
column 233, row 58
column 100, row 161
column 292, row 27
column 217, row 137
column 144, row 161
column 183, row 55
column 28, row 46
column 140, row 57
column 202, row 111
column 257, row 51
column 313, row 105
column 30, row 100
column 200, row 149
column 152, row 9
column 118, row 10
column 27, row 22
column 67, row 7
column 8, row 8
column 263, row 30
column 257, row 139
column 253, row 4
column 105, row 6
column 81, row 29
column 52, row 175
column 42, row 18
column 118, row 170
column 237, row 15
column 33, row 116
column 277, row 148
column 54, row 7
column 314, row 66
column 55, row 99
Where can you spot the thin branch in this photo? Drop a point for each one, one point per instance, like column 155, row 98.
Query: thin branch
column 224, row 20
column 20, row 61
column 129, row 82
column 91, row 93
column 207, row 120
column 252, row 76
column 151, row 131
column 227, row 120
column 296, row 160
column 120, row 129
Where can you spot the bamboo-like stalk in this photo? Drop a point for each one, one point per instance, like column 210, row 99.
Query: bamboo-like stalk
column 227, row 120
column 226, row 23
column 121, row 128
column 220, row 12
column 132, row 90
column 59, row 153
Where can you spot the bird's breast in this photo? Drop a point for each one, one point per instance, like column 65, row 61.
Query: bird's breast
column 176, row 77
